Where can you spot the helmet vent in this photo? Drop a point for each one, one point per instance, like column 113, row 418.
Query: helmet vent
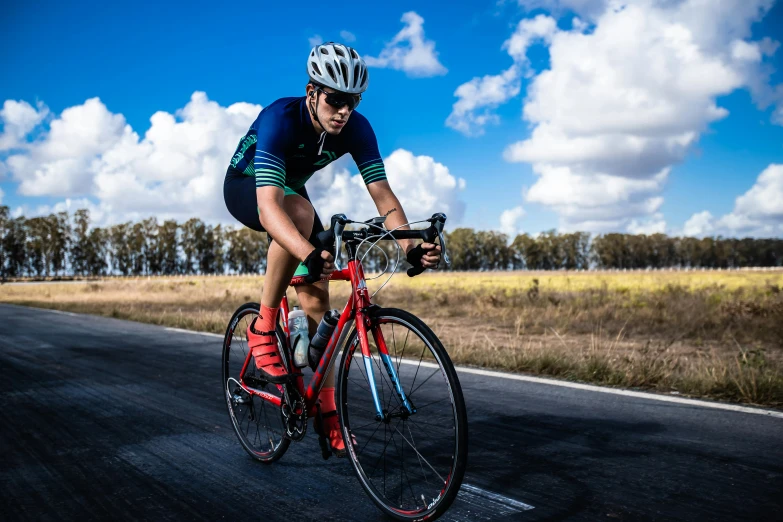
column 324, row 50
column 355, row 74
column 330, row 70
column 339, row 52
column 355, row 56
column 344, row 70
column 315, row 68
column 364, row 77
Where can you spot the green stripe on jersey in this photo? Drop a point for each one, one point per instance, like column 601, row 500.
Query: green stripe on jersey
column 373, row 172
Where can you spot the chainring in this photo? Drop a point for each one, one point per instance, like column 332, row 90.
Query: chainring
column 294, row 413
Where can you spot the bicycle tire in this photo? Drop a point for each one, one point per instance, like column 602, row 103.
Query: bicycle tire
column 346, row 403
column 269, row 414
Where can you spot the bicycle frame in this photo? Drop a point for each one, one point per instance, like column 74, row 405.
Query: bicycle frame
column 355, row 311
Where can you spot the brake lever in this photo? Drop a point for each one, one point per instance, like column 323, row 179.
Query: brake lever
column 337, row 226
column 442, row 240
column 437, row 221
column 338, row 238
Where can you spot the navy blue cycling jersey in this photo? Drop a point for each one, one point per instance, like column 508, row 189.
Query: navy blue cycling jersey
column 283, row 149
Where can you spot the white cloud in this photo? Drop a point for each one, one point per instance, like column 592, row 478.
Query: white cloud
column 655, row 225
column 176, row 170
column 777, row 117
column 700, row 224
column 529, row 31
column 747, row 51
column 93, row 159
column 510, row 220
column 477, row 99
column 757, row 212
column 19, row 118
column 347, row 36
column 764, row 201
column 98, row 214
column 589, row 9
column 605, row 202
column 482, row 94
column 410, row 51
column 627, row 97
column 314, row 40
column 423, row 186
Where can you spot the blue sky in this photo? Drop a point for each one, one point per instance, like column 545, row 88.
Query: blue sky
column 141, row 59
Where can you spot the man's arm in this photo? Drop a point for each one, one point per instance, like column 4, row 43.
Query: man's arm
column 388, row 205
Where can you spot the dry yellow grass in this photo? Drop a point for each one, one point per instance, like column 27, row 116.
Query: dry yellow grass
column 713, row 334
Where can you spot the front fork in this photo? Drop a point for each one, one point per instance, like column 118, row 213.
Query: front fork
column 407, row 408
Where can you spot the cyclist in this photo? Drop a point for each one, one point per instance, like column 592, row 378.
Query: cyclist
column 265, row 190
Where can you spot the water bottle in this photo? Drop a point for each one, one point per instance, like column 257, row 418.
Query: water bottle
column 322, row 336
column 297, row 326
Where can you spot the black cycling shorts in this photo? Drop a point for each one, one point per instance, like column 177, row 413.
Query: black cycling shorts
column 239, row 192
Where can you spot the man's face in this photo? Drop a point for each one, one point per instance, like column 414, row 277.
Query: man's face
column 331, row 118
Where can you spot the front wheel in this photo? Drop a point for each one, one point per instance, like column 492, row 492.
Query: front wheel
column 410, row 464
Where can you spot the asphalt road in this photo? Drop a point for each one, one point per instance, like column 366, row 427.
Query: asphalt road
column 107, row 419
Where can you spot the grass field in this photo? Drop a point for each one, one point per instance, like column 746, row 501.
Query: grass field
column 707, row 334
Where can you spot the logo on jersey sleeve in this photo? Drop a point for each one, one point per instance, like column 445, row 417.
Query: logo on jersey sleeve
column 245, row 143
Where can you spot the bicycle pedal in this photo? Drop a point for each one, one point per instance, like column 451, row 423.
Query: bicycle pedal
column 326, row 450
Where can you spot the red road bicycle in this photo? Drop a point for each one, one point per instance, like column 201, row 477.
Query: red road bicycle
column 398, row 396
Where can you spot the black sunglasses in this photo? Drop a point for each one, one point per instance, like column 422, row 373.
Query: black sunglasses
column 340, row 99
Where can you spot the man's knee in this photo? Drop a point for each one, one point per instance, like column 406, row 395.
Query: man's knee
column 301, row 213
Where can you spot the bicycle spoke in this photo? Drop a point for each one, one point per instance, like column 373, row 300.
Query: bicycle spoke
column 437, row 370
column 401, row 453
column 419, row 366
column 424, row 423
column 368, row 440
column 418, row 458
column 360, row 385
column 268, row 423
column 419, row 407
column 365, row 425
column 385, row 379
column 421, row 456
column 399, row 358
column 384, row 451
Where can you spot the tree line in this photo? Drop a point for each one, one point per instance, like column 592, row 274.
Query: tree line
column 67, row 245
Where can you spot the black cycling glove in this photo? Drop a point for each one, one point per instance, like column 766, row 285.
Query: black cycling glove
column 315, row 266
column 414, row 258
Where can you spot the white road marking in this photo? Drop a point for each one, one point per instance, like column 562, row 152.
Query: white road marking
column 613, row 391
column 497, row 498
column 180, row 330
column 61, row 312
column 540, row 380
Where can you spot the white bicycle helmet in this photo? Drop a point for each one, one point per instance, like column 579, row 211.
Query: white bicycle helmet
column 339, row 67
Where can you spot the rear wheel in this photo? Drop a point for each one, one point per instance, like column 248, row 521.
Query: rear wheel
column 411, row 465
column 257, row 423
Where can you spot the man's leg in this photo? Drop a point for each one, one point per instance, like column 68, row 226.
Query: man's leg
column 315, row 303
column 280, row 265
column 280, row 268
